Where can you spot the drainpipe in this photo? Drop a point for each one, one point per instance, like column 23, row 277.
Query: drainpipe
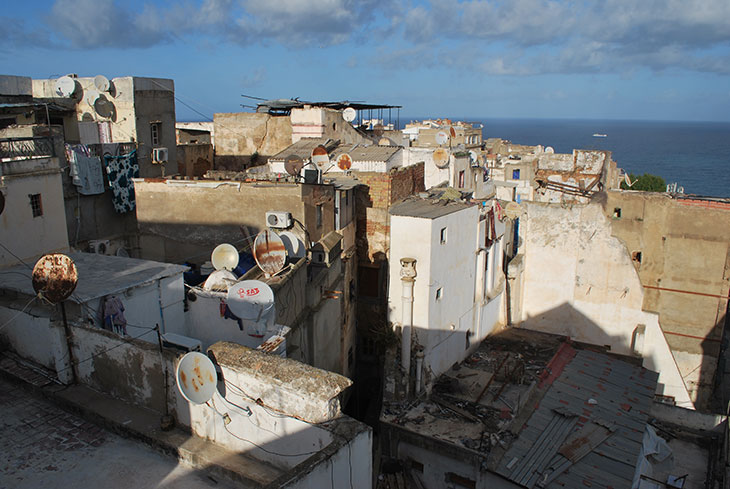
column 419, row 369
column 408, row 278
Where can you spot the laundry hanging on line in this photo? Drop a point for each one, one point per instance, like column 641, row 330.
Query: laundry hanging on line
column 120, row 171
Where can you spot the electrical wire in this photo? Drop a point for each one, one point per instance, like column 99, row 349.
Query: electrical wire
column 19, row 312
column 16, row 256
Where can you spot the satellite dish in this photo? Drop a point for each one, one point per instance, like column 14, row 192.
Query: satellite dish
column 293, row 165
column 65, row 86
column 91, row 96
column 385, row 142
column 102, row 83
column 349, row 114
column 224, row 257
column 320, row 156
column 441, row 158
column 251, row 300
column 549, row 149
column 344, row 162
column 461, row 147
column 103, row 107
column 441, row 137
column 269, row 252
column 378, row 129
column 513, row 210
column 219, row 281
column 196, row 377
column 452, row 131
column 55, row 277
column 473, row 156
column 294, row 246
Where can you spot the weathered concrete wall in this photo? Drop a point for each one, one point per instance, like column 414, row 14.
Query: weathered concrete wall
column 193, row 160
column 579, row 281
column 34, row 333
column 241, row 134
column 26, row 236
column 154, row 102
column 684, row 246
column 180, row 219
column 316, row 122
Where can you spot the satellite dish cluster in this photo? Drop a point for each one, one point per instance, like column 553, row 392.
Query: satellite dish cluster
column 97, row 96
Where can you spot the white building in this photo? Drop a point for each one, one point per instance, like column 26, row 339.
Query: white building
column 457, row 249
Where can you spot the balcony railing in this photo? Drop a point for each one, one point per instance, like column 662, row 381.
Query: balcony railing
column 30, row 147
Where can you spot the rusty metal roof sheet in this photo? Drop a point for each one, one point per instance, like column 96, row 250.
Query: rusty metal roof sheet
column 373, row 152
column 303, row 148
column 608, row 401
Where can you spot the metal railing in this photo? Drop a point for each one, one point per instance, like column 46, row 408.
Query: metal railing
column 29, row 147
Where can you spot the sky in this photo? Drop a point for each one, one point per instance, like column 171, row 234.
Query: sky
column 593, row 59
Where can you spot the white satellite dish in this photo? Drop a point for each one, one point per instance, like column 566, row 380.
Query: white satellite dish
column 219, row 281
column 441, row 137
column 349, row 114
column 196, row 377
column 102, row 83
column 252, row 301
column 549, row 149
column 294, row 246
column 65, row 86
column 224, row 257
column 91, row 96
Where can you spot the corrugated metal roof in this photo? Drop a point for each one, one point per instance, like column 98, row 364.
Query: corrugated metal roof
column 303, row 148
column 359, row 152
column 426, row 208
column 609, row 401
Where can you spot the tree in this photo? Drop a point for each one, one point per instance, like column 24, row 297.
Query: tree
column 646, row 182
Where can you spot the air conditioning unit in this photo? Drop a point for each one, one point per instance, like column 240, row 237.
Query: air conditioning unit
column 180, row 342
column 278, row 219
column 100, row 246
column 159, row 155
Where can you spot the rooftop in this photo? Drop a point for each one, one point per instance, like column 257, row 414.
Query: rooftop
column 432, row 204
column 99, row 275
column 544, row 412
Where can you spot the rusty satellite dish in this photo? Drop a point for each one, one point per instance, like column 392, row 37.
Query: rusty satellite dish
column 196, row 377
column 320, row 157
column 269, row 252
column 293, row 164
column 513, row 210
column 224, row 257
column 441, row 158
column 344, row 162
column 441, row 137
column 378, row 130
column 55, row 277
column 452, row 132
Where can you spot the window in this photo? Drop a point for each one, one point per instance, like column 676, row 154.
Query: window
column 439, row 293
column 155, row 132
column 443, row 235
column 516, row 174
column 461, row 179
column 368, row 281
column 36, row 205
column 319, row 215
column 617, row 213
column 636, row 257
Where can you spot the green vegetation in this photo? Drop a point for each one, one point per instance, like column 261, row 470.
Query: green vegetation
column 646, row 182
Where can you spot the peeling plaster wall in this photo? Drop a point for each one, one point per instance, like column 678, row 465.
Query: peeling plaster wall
column 579, row 281
column 241, row 134
column 684, row 246
column 32, row 334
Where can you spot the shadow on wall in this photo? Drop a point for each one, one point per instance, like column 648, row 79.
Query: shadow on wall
column 713, row 392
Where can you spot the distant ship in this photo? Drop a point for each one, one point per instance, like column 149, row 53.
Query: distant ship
column 596, row 135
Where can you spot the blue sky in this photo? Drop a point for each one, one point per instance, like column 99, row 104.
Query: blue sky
column 601, row 59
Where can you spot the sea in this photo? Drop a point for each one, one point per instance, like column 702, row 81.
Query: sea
column 695, row 155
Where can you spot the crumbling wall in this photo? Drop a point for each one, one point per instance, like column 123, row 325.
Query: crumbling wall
column 681, row 250
column 240, row 135
column 193, row 160
column 579, row 281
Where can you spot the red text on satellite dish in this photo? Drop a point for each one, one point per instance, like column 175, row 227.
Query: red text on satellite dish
column 248, row 292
